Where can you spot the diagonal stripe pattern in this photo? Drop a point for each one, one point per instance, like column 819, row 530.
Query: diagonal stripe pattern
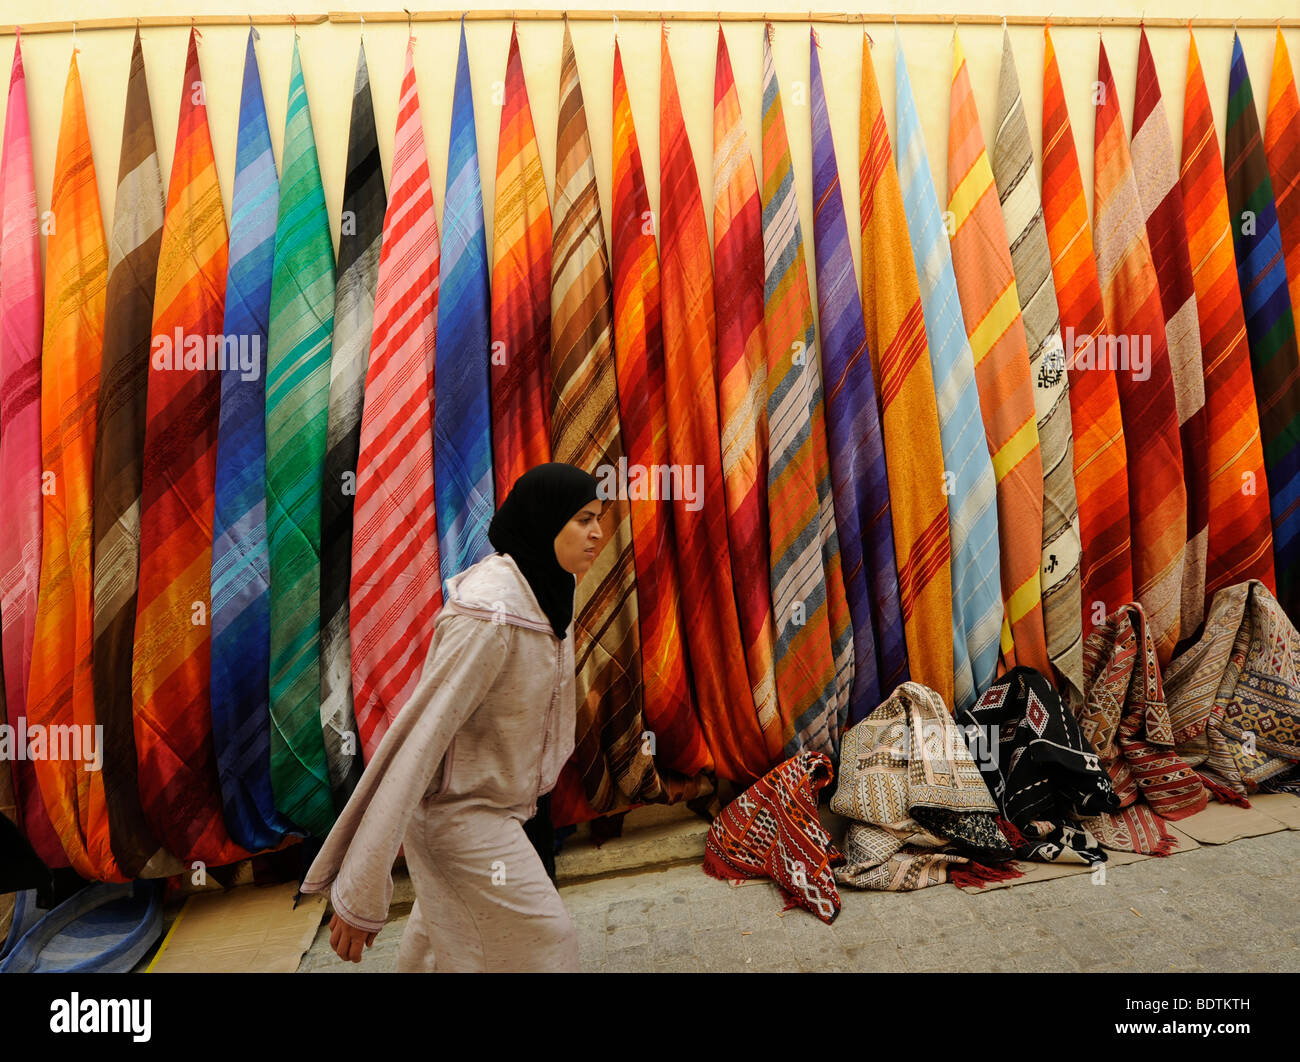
column 297, row 401
column 395, row 591
column 1155, row 171
column 814, row 637
column 1031, row 258
column 742, row 384
column 968, row 470
column 462, row 424
column 521, row 296
column 990, row 305
column 857, row 455
column 1282, row 149
column 1136, row 350
column 909, row 414
column 61, row 684
column 1100, row 459
column 360, row 232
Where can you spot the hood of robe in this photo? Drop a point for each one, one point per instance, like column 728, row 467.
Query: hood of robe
column 495, row 588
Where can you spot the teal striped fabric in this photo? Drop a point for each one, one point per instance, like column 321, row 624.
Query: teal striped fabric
column 297, row 398
column 969, row 483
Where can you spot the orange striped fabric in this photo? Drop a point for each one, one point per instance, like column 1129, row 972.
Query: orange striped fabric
column 61, row 683
column 1146, row 388
column 742, row 386
column 521, row 290
column 1282, row 149
column 909, row 413
column 1241, row 532
column 716, row 646
column 669, row 704
column 990, row 306
column 1100, row 460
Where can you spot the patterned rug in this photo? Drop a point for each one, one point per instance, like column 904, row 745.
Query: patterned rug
column 1125, row 718
column 919, row 806
column 1234, row 696
column 1039, row 767
column 772, row 830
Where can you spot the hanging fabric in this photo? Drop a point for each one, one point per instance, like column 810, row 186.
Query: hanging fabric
column 742, row 385
column 1138, row 353
column 612, row 763
column 360, row 230
column 669, row 703
column 119, row 442
column 179, row 786
column 521, row 296
column 968, row 470
column 1270, row 322
column 21, row 315
column 1240, row 544
column 1156, row 175
column 857, row 453
column 241, row 602
column 717, row 653
column 1100, row 459
column 297, row 400
column 1282, row 149
column 814, row 635
column 395, row 532
column 462, row 418
column 909, row 414
column 990, row 306
column 1031, row 259
column 61, row 690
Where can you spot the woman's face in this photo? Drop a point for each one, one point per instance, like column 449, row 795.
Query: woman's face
column 579, row 539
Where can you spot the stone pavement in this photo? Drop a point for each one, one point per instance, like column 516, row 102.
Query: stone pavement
column 1217, row 908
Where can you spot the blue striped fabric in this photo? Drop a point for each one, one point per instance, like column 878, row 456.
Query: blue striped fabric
column 241, row 604
column 462, row 418
column 970, row 486
column 857, row 450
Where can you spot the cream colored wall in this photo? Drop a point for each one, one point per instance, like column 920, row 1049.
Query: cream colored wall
column 329, row 57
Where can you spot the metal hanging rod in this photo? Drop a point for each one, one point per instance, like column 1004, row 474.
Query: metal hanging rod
column 556, row 14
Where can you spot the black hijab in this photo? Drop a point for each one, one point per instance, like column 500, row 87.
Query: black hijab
column 541, row 502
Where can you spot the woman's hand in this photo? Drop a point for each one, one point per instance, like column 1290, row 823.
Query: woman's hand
column 347, row 940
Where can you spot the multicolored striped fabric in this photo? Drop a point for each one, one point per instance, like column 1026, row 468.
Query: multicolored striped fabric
column 610, row 759
column 814, row 636
column 297, row 401
column 1100, row 459
column 462, row 419
column 1270, row 323
column 857, row 455
column 968, row 477
column 717, row 653
column 1240, row 530
column 1136, row 351
column 21, row 315
column 60, row 690
column 521, row 296
column 1022, row 212
column 395, row 532
column 241, row 599
column 668, row 703
column 1282, row 149
column 360, row 230
column 171, row 667
column 119, row 440
column 742, row 385
column 1155, row 171
column 909, row 414
column 990, row 305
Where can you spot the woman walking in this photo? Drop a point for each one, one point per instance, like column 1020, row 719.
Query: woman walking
column 461, row 769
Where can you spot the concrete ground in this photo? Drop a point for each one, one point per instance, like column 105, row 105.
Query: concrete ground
column 1218, row 908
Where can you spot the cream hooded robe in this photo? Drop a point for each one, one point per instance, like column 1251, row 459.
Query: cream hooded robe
column 485, row 733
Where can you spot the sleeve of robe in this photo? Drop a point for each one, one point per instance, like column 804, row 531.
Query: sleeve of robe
column 465, row 658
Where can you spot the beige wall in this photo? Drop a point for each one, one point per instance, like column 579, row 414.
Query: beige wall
column 329, row 57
